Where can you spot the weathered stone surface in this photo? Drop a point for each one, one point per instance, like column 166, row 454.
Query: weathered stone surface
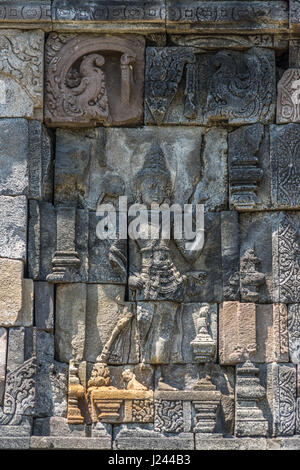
column 44, row 306
column 249, row 168
column 80, row 162
column 22, row 14
column 110, row 326
column 107, row 261
column 294, row 332
column 281, row 395
column 40, row 164
column 230, row 255
column 14, row 157
column 70, row 321
column 257, row 330
column 114, row 16
column 57, row 426
column 79, row 93
column 294, row 14
column 57, row 243
column 237, row 331
column 232, row 443
column 3, row 352
column 14, row 443
column 288, row 109
column 135, row 437
column 13, row 227
column 196, row 98
column 285, row 166
column 62, row 442
column 256, row 231
column 21, row 76
column 16, row 295
column 226, row 16
column 228, row 41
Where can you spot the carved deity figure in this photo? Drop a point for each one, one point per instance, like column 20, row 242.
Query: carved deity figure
column 159, row 278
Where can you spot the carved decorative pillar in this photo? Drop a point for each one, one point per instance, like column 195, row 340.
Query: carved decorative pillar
column 66, row 256
column 249, row 417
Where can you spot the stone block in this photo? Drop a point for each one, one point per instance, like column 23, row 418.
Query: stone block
column 189, row 103
column 230, row 255
column 112, row 16
column 227, row 41
column 57, row 426
column 66, row 443
column 294, row 332
column 23, row 14
column 57, row 243
column 13, row 227
column 70, row 321
column 136, row 437
column 110, row 326
column 44, row 306
column 3, row 352
column 257, row 330
column 233, row 443
column 22, row 427
column 281, row 397
column 14, row 443
column 249, row 168
column 21, row 76
column 285, row 166
column 294, row 15
column 40, row 164
column 87, row 84
column 16, row 294
column 226, row 16
column 285, row 248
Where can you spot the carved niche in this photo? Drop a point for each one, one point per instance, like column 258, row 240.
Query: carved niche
column 93, row 80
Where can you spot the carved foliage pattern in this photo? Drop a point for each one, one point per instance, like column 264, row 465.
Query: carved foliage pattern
column 286, row 396
column 168, row 416
column 288, row 262
column 142, row 411
column 19, row 393
column 22, row 60
column 286, row 168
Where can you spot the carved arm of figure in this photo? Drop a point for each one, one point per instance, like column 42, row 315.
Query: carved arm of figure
column 135, row 280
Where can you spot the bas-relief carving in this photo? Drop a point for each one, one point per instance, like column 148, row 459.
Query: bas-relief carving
column 21, row 73
column 183, row 87
column 94, row 80
column 286, row 258
column 294, row 332
column 245, row 174
column 288, row 99
column 226, row 16
column 285, row 165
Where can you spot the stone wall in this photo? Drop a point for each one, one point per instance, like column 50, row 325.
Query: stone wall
column 149, row 344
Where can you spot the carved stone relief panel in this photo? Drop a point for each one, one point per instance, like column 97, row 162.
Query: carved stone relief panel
column 94, row 80
column 183, row 87
column 226, row 16
column 21, row 73
column 285, row 165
